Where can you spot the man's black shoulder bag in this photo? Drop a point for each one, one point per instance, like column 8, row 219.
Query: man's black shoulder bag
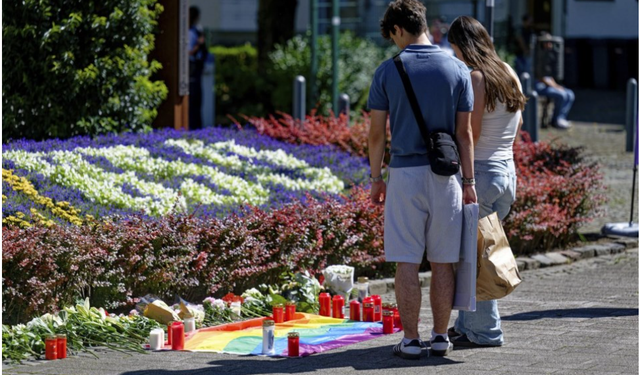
column 441, row 146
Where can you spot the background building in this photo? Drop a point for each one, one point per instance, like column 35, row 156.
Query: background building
column 601, row 36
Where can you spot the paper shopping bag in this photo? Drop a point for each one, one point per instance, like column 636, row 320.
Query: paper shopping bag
column 465, row 296
column 498, row 273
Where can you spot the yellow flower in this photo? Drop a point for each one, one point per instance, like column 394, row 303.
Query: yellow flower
column 60, row 209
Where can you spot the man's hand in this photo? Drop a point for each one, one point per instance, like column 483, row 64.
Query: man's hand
column 378, row 192
column 468, row 194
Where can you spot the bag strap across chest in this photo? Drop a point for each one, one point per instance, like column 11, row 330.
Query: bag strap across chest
column 411, row 95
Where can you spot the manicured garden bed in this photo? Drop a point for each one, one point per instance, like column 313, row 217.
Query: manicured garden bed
column 204, row 213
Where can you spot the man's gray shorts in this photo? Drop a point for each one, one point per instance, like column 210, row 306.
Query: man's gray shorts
column 422, row 210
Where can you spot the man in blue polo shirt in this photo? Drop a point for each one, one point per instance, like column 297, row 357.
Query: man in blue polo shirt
column 422, row 209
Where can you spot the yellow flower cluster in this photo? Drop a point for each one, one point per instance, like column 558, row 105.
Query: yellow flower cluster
column 60, row 209
column 16, row 220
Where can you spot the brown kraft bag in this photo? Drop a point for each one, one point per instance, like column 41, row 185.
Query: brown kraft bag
column 498, row 273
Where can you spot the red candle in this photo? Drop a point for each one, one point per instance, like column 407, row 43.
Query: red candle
column 367, row 312
column 367, row 299
column 177, row 336
column 325, row 304
column 169, row 333
column 293, row 344
column 354, row 310
column 386, row 306
column 290, row 311
column 61, row 346
column 377, row 308
column 51, row 347
column 278, row 313
column 397, row 322
column 387, row 322
column 338, row 307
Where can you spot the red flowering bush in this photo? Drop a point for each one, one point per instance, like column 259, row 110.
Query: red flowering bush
column 557, row 192
column 320, row 130
column 113, row 263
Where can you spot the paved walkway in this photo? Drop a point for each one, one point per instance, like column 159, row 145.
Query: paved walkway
column 580, row 318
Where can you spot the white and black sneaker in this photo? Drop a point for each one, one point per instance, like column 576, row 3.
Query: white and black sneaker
column 412, row 350
column 441, row 346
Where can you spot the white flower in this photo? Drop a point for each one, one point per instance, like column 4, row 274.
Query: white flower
column 71, row 169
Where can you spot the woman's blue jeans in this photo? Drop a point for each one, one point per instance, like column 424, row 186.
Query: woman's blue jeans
column 496, row 189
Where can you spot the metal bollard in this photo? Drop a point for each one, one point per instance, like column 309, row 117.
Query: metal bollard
column 299, row 93
column 343, row 105
column 525, row 81
column 531, row 116
column 632, row 113
column 489, row 17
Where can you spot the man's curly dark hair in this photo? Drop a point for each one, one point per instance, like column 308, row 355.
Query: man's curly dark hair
column 410, row 15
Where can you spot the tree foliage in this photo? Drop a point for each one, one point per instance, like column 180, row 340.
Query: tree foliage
column 78, row 67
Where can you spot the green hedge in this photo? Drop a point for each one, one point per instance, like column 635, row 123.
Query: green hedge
column 238, row 86
column 236, row 82
column 357, row 62
column 78, row 67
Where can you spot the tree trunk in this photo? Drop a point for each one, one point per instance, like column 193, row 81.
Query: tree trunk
column 276, row 23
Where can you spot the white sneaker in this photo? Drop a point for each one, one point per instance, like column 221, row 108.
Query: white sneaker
column 412, row 350
column 562, row 124
column 441, row 346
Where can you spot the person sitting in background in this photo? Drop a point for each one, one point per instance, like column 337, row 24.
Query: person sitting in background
column 547, row 86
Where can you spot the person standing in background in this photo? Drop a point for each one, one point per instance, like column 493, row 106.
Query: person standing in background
column 496, row 120
column 197, row 57
column 523, row 51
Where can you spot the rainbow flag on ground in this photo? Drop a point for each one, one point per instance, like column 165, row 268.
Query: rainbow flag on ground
column 317, row 334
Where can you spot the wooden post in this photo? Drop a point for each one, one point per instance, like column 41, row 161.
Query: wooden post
column 171, row 50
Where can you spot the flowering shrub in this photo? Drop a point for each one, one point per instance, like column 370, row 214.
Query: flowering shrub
column 45, row 268
column 298, row 220
column 214, row 171
column 557, row 192
column 320, row 130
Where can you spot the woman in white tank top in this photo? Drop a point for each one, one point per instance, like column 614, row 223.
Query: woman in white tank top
column 496, row 120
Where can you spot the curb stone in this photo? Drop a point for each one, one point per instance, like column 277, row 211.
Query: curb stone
column 544, row 260
column 555, row 258
column 571, row 254
column 627, row 242
column 529, row 264
column 586, row 252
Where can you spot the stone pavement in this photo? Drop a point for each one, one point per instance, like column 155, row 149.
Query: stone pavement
column 579, row 318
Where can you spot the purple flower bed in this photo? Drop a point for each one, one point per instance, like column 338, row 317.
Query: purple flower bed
column 350, row 169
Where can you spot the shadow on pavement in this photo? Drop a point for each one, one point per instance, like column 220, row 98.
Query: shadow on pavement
column 378, row 358
column 589, row 312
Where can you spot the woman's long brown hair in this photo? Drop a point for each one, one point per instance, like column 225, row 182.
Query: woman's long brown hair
column 478, row 51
